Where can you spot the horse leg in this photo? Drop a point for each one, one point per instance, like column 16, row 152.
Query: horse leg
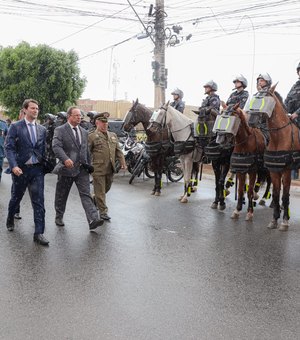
column 187, row 160
column 194, row 177
column 276, row 181
column 224, row 171
column 241, row 179
column 158, row 184
column 229, row 183
column 286, row 200
column 155, row 179
column 217, row 172
column 252, row 177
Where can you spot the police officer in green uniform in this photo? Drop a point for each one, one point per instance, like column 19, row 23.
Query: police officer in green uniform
column 105, row 149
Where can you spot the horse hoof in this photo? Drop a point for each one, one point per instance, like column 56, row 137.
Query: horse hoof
column 249, row 217
column 180, row 198
column 284, row 226
column 157, row 193
column 255, row 196
column 184, row 200
column 152, row 192
column 272, row 225
column 222, row 207
column 262, row 203
column 214, row 205
column 193, row 189
column 235, row 215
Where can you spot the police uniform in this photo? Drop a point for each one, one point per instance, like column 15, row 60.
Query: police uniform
column 178, row 105
column 104, row 149
column 240, row 97
column 292, row 101
column 212, row 101
column 3, row 132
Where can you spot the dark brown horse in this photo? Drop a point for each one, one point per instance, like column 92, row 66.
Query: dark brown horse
column 283, row 151
column 157, row 145
column 247, row 156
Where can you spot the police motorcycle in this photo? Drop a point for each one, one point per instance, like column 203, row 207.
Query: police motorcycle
column 172, row 167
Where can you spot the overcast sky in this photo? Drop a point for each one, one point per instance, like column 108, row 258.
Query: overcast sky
column 228, row 38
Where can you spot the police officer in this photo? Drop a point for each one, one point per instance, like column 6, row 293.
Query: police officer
column 104, row 148
column 3, row 133
column 212, row 100
column 240, row 95
column 178, row 103
column 292, row 101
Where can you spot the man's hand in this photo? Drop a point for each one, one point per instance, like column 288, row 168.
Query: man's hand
column 294, row 115
column 17, row 171
column 69, row 163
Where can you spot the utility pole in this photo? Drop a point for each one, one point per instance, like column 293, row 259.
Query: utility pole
column 159, row 72
column 115, row 80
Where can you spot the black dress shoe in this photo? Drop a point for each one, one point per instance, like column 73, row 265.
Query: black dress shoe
column 40, row 239
column 10, row 223
column 105, row 217
column 59, row 221
column 95, row 224
column 17, row 216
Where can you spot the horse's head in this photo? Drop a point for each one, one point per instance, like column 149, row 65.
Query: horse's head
column 227, row 125
column 158, row 119
column 261, row 107
column 131, row 117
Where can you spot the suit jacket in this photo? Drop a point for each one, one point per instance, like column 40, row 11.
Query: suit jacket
column 65, row 147
column 18, row 145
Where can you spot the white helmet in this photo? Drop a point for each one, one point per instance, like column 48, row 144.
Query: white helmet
column 178, row 92
column 266, row 77
column 241, row 79
column 212, row 85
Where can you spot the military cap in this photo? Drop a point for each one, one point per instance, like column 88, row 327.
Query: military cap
column 103, row 116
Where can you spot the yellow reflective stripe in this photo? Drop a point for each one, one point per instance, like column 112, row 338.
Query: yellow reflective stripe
column 161, row 183
column 257, row 184
column 205, row 129
column 268, row 195
column 251, row 103
column 189, row 190
column 262, row 104
column 247, row 187
column 219, row 122
column 228, row 123
column 289, row 213
column 198, row 129
column 224, row 193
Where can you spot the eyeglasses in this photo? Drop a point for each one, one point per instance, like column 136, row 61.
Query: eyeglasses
column 75, row 115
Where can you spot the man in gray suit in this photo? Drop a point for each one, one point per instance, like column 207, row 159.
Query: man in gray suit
column 70, row 146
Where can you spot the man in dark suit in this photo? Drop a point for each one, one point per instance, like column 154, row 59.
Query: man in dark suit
column 24, row 144
column 70, row 146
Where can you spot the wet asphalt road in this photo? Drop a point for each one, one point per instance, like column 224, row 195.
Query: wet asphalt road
column 158, row 270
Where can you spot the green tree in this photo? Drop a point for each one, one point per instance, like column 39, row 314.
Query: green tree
column 50, row 76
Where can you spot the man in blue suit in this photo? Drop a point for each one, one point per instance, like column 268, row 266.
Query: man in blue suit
column 25, row 146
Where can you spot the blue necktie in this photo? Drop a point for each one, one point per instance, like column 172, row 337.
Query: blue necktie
column 33, row 140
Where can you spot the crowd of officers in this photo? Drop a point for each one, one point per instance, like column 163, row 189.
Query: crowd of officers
column 83, row 148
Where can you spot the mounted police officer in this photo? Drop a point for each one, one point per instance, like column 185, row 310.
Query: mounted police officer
column 292, row 101
column 240, row 95
column 212, row 100
column 3, row 133
column 178, row 103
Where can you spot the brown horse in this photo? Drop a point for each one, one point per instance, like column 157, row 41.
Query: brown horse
column 157, row 145
column 283, row 151
column 247, row 156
